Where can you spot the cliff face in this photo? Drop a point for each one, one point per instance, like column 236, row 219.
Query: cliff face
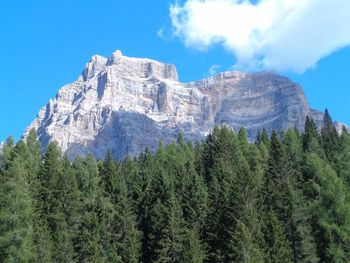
column 127, row 104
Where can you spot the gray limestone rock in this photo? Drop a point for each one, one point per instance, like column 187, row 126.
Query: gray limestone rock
column 128, row 104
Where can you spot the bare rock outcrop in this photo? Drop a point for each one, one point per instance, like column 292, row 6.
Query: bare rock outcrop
column 127, row 104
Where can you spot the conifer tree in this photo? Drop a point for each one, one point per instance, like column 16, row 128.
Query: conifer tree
column 87, row 242
column 277, row 204
column 265, row 137
column 34, row 157
column 329, row 137
column 42, row 238
column 194, row 198
column 219, row 161
column 172, row 232
column 170, row 239
column 310, row 134
column 6, row 152
column 300, row 232
column 331, row 212
column 109, row 172
column 16, row 208
column 343, row 158
column 56, row 198
column 125, row 235
column 144, row 198
column 245, row 241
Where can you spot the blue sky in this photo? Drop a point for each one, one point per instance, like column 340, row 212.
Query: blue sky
column 45, row 44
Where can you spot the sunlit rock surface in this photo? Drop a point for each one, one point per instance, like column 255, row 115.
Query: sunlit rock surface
column 126, row 104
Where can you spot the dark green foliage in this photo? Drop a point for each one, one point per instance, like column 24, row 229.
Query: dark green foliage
column 57, row 197
column 329, row 137
column 331, row 211
column 16, row 208
column 284, row 198
column 310, row 136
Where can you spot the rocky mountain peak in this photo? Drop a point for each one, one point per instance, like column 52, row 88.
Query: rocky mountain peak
column 94, row 67
column 126, row 104
column 115, row 58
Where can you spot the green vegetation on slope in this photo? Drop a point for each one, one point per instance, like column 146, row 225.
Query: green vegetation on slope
column 283, row 199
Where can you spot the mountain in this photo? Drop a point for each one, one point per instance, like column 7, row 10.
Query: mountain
column 127, row 104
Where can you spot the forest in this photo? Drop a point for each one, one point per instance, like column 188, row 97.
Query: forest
column 284, row 198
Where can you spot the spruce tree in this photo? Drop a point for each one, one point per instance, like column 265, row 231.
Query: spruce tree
column 172, row 232
column 87, row 242
column 6, row 152
column 16, row 208
column 329, row 137
column 300, row 232
column 54, row 202
column 125, row 235
column 277, row 204
column 42, row 238
column 331, row 212
column 220, row 168
column 245, row 241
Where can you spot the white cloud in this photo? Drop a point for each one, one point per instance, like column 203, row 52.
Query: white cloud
column 160, row 32
column 281, row 35
column 213, row 69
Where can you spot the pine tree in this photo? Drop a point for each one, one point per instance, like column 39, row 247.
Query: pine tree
column 108, row 172
column 6, row 152
column 245, row 241
column 144, row 198
column 68, row 226
column 343, row 158
column 331, row 214
column 194, row 250
column 243, row 142
column 87, row 243
column 172, row 232
column 310, row 134
column 277, row 244
column 34, row 157
column 42, row 238
column 16, row 208
column 329, row 137
column 300, row 232
column 52, row 197
column 265, row 137
column 125, row 235
column 194, row 198
column 277, row 204
column 220, row 167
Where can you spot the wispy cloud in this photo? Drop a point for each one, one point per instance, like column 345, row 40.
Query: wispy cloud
column 281, row 35
column 213, row 69
column 160, row 32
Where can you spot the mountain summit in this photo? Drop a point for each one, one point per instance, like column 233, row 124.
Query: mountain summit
column 126, row 104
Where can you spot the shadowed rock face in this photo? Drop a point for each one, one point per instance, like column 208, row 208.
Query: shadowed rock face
column 127, row 104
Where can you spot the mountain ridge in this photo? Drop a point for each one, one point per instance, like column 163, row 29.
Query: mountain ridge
column 126, row 104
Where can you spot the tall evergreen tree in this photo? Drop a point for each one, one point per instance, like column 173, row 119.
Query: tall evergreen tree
column 277, row 204
column 329, row 137
column 300, row 236
column 16, row 208
column 87, row 242
column 331, row 212
column 42, row 239
column 125, row 235
column 220, row 168
column 246, row 238
column 6, row 152
column 54, row 199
